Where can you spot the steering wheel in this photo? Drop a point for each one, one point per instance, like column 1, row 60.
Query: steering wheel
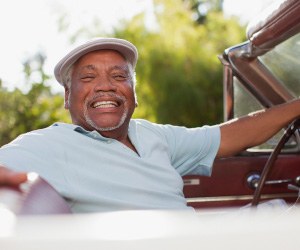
column 270, row 163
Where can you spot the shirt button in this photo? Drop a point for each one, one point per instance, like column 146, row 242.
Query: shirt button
column 109, row 141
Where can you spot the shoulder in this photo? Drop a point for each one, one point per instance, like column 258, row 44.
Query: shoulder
column 57, row 127
column 143, row 126
column 141, row 123
column 37, row 137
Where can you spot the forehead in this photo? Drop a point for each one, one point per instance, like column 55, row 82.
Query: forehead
column 100, row 56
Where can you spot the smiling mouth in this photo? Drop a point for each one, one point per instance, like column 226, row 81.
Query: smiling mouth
column 105, row 104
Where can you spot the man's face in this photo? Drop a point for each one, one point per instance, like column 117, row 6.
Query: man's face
column 101, row 96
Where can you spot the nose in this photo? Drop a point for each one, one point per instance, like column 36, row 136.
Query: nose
column 104, row 84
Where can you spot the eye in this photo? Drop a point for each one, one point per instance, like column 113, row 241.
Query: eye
column 120, row 77
column 87, row 78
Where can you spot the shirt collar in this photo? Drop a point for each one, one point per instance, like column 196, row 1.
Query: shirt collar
column 92, row 134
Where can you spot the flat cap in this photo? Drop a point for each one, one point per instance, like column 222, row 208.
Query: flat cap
column 124, row 47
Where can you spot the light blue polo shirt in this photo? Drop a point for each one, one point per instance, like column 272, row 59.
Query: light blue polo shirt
column 98, row 174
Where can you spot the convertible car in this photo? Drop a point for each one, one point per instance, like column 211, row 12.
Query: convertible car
column 251, row 199
column 258, row 74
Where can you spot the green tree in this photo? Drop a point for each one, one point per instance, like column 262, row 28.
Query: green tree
column 22, row 112
column 179, row 74
column 201, row 8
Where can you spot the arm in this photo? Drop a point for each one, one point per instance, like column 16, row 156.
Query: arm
column 11, row 178
column 255, row 128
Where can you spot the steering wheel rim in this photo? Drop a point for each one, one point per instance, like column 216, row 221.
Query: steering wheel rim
column 272, row 158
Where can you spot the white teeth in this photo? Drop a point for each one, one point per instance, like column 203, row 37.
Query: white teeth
column 105, row 104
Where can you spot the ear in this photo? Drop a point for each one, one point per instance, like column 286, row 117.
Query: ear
column 67, row 96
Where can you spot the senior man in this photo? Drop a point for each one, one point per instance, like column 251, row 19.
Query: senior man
column 105, row 160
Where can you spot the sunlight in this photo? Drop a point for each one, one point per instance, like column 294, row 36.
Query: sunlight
column 31, row 26
column 245, row 10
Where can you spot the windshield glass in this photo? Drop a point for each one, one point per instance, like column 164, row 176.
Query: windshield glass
column 284, row 62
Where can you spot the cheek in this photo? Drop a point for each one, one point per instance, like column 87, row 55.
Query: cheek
column 76, row 101
column 131, row 98
column 78, row 92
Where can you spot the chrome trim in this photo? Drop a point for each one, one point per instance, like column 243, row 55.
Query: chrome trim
column 239, row 197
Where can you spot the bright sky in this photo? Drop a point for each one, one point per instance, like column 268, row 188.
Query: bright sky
column 31, row 25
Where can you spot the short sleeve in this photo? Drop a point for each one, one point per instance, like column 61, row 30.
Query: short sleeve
column 193, row 150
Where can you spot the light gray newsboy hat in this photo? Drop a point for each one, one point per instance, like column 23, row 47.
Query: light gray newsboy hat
column 127, row 49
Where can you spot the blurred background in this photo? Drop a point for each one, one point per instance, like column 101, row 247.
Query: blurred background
column 178, row 73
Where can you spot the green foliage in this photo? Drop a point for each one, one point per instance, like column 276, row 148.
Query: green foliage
column 179, row 75
column 201, row 8
column 22, row 112
column 178, row 72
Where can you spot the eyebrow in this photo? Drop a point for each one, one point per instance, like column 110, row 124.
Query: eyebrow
column 117, row 67
column 90, row 67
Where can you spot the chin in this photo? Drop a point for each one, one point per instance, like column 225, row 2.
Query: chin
column 106, row 126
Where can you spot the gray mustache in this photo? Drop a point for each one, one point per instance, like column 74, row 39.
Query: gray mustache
column 106, row 94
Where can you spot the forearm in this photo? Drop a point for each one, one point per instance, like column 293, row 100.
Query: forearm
column 256, row 128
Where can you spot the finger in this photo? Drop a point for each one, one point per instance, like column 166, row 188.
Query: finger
column 9, row 177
